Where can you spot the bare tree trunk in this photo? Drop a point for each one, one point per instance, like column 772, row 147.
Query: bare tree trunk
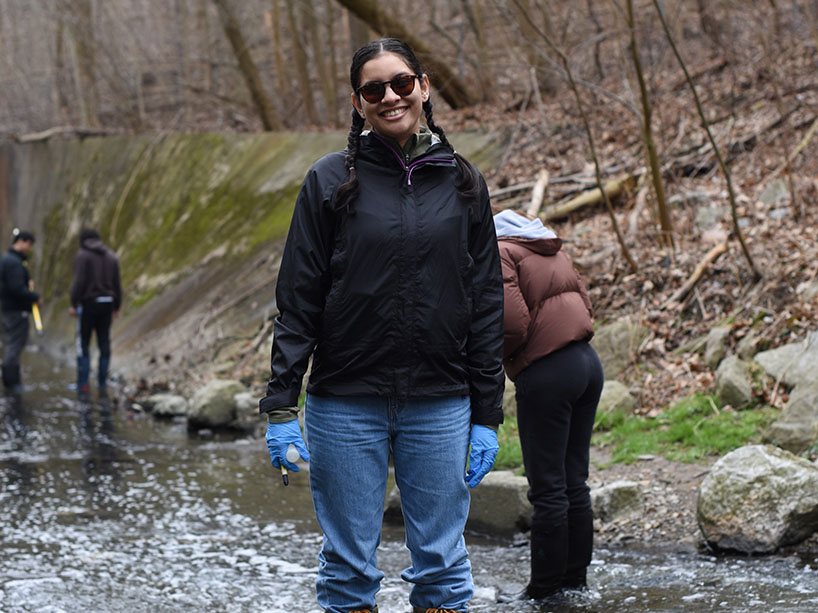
column 706, row 125
column 484, row 77
column 274, row 24
column 333, row 61
column 709, row 24
column 811, row 9
column 451, row 88
column 647, row 136
column 85, row 62
column 358, row 31
column 182, row 73
column 61, row 98
column 261, row 100
column 597, row 60
column 301, row 65
column 203, row 27
column 536, row 58
column 325, row 76
column 589, row 133
column 782, row 113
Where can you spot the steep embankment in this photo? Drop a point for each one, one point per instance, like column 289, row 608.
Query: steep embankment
column 198, row 222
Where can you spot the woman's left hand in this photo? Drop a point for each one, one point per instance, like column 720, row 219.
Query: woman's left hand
column 484, row 448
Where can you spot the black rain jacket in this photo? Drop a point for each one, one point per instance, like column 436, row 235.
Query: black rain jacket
column 403, row 297
column 14, row 292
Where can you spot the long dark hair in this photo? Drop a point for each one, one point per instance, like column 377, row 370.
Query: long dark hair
column 467, row 181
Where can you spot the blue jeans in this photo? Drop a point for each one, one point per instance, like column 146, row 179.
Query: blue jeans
column 349, row 441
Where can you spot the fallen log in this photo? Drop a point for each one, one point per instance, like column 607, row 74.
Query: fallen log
column 61, row 131
column 677, row 299
column 795, row 152
column 612, row 188
column 511, row 189
column 538, row 193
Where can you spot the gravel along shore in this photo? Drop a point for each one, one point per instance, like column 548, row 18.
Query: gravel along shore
column 670, row 492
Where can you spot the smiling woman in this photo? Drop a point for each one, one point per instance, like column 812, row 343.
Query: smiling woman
column 396, row 111
column 390, row 280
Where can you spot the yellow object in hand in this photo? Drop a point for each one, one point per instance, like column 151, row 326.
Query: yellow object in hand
column 35, row 312
column 38, row 322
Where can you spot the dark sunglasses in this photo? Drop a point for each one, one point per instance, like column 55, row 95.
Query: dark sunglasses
column 374, row 91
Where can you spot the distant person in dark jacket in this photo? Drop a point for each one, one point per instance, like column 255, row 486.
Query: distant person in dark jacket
column 96, row 295
column 390, row 280
column 547, row 321
column 16, row 299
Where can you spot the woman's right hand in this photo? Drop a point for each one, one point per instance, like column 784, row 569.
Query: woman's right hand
column 279, row 437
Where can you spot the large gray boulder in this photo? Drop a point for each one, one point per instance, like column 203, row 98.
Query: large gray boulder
column 749, row 346
column 617, row 344
column 793, row 364
column 620, row 500
column 715, row 345
column 796, row 429
column 615, row 399
column 758, row 498
column 166, row 405
column 499, row 505
column 214, row 405
column 734, row 384
column 247, row 417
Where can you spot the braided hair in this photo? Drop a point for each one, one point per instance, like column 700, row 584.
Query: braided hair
column 348, row 191
column 467, row 182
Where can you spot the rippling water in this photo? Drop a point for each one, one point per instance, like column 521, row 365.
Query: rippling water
column 103, row 510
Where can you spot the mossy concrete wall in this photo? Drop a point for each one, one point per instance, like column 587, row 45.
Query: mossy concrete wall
column 198, row 222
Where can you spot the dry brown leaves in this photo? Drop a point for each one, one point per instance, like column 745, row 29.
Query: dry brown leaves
column 780, row 235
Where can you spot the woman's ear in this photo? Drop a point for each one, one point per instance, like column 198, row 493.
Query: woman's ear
column 425, row 88
column 357, row 104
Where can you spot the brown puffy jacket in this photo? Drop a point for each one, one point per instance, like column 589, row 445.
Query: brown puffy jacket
column 546, row 303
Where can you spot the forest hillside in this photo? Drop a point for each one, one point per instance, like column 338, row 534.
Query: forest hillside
column 698, row 117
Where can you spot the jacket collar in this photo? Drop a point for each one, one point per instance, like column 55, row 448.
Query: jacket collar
column 376, row 148
column 19, row 254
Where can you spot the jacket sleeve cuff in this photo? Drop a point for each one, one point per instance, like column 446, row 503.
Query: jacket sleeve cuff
column 281, row 399
column 282, row 415
column 490, row 416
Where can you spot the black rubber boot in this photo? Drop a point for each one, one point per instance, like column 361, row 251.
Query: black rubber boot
column 549, row 555
column 11, row 376
column 580, row 548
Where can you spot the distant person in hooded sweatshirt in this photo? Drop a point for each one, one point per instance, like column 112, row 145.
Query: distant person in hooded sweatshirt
column 96, row 296
column 547, row 326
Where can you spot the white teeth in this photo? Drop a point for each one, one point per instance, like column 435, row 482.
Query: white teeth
column 392, row 113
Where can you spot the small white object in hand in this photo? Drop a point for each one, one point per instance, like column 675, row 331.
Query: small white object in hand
column 292, row 454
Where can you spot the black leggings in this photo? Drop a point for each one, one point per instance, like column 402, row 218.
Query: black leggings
column 557, row 398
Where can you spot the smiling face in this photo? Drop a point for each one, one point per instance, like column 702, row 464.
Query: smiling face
column 395, row 116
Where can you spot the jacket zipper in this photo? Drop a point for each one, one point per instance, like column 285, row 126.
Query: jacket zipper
column 410, row 168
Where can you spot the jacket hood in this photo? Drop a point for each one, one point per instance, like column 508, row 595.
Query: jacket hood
column 528, row 232
column 94, row 244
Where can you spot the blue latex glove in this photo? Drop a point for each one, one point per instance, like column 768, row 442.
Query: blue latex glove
column 281, row 436
column 484, row 448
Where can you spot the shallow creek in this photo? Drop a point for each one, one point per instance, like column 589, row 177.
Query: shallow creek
column 104, row 510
